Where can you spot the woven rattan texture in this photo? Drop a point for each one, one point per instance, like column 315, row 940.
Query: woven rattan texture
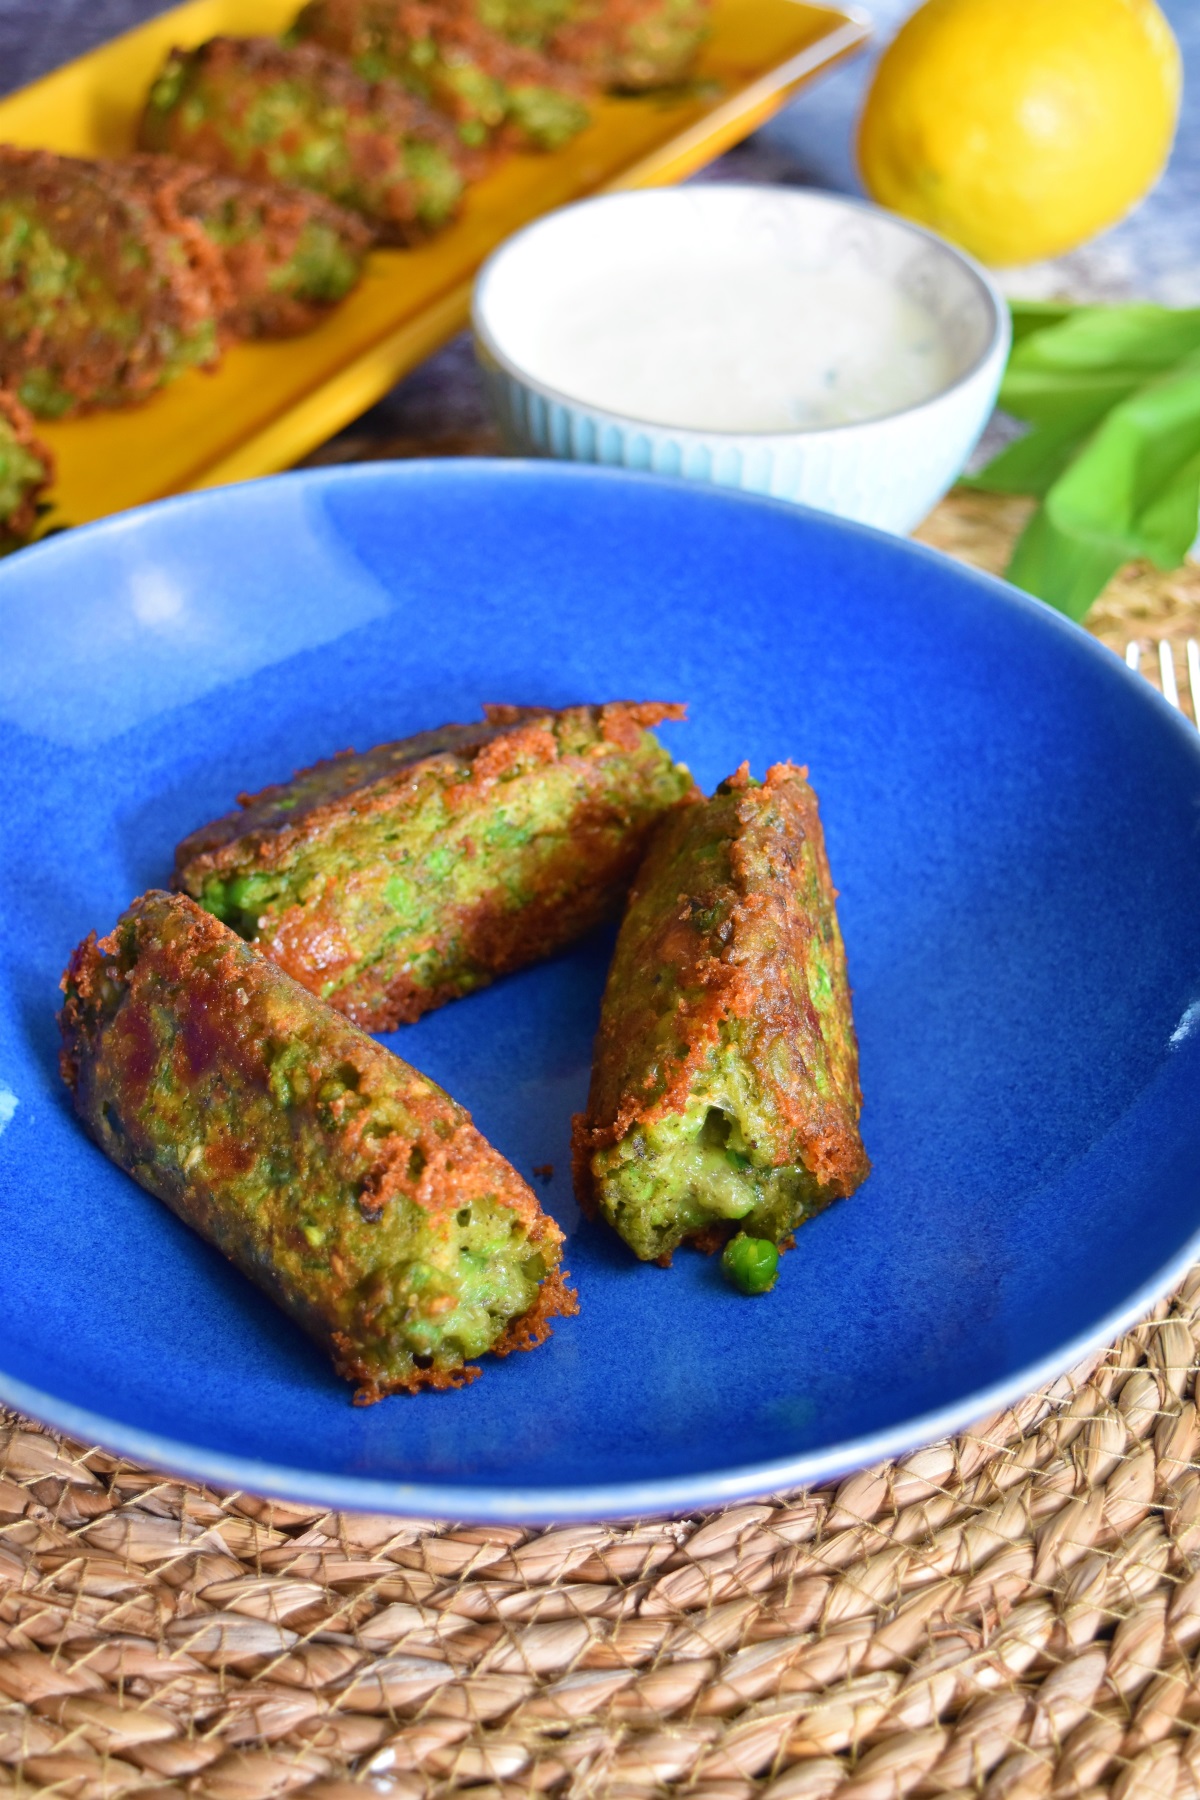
column 1015, row 1614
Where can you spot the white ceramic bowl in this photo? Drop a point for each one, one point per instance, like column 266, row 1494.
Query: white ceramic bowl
column 887, row 470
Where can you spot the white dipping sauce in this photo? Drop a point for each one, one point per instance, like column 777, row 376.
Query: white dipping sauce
column 740, row 347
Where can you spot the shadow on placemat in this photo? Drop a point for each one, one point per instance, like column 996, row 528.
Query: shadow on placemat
column 1015, row 1613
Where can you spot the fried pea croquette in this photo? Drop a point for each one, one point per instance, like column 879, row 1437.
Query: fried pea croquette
column 26, row 471
column 349, row 1187
column 392, row 882
column 631, row 46
column 440, row 50
column 99, row 305
column 725, row 1083
column 278, row 257
column 299, row 115
column 627, row 46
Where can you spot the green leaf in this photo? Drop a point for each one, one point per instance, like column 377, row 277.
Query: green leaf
column 1059, row 568
column 1132, row 490
column 1030, row 465
column 1042, row 396
column 1140, row 449
column 1112, row 396
column 1063, row 410
column 1029, row 316
column 1168, row 525
column 1102, row 339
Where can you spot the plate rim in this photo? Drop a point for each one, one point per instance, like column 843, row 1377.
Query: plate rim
column 493, row 1502
column 614, row 1502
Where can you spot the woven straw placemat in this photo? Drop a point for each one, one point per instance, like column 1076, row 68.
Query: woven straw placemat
column 1015, row 1613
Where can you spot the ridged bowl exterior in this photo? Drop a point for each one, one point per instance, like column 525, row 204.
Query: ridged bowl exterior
column 887, row 472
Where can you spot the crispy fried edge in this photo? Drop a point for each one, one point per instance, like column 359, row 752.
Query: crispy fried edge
column 181, row 302
column 526, row 1332
column 20, row 523
column 587, row 1139
column 177, row 190
column 339, row 85
column 221, row 843
column 342, row 28
column 600, row 46
column 472, row 770
column 85, row 967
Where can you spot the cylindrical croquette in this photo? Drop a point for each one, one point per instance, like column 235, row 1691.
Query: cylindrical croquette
column 440, row 50
column 392, row 882
column 100, row 304
column 348, row 1186
column 627, row 46
column 285, row 255
column 725, row 1083
column 300, row 115
column 631, row 46
column 26, row 471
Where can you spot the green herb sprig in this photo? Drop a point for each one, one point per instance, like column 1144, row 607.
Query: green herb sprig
column 1112, row 398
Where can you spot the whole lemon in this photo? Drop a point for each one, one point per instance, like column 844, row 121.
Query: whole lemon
column 1019, row 128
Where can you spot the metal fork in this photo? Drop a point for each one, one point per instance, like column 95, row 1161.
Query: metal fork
column 1164, row 653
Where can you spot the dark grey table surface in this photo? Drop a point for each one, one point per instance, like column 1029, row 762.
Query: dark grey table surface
column 1155, row 254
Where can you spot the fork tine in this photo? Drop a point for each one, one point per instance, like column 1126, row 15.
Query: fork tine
column 1193, row 669
column 1133, row 655
column 1166, row 669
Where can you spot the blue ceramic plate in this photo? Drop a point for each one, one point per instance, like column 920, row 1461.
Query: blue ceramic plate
column 1014, row 824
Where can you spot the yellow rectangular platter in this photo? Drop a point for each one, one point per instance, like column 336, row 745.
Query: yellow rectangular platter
column 270, row 403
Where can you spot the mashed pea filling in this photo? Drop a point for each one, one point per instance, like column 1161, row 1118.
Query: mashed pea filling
column 439, row 1287
column 697, row 1169
column 453, row 1297
column 396, row 878
column 547, row 117
column 322, row 268
column 725, row 1083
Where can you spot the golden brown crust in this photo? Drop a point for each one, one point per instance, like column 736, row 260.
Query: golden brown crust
column 19, row 419
column 164, row 183
column 272, row 218
column 98, row 214
column 583, row 1143
column 498, row 937
column 612, row 773
column 657, row 1037
column 365, row 783
column 178, row 1036
column 555, row 1301
column 353, row 30
column 602, row 42
column 378, row 117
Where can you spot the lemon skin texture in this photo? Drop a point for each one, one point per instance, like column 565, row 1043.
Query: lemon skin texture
column 1021, row 128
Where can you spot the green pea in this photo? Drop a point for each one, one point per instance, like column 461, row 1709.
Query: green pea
column 751, row 1264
